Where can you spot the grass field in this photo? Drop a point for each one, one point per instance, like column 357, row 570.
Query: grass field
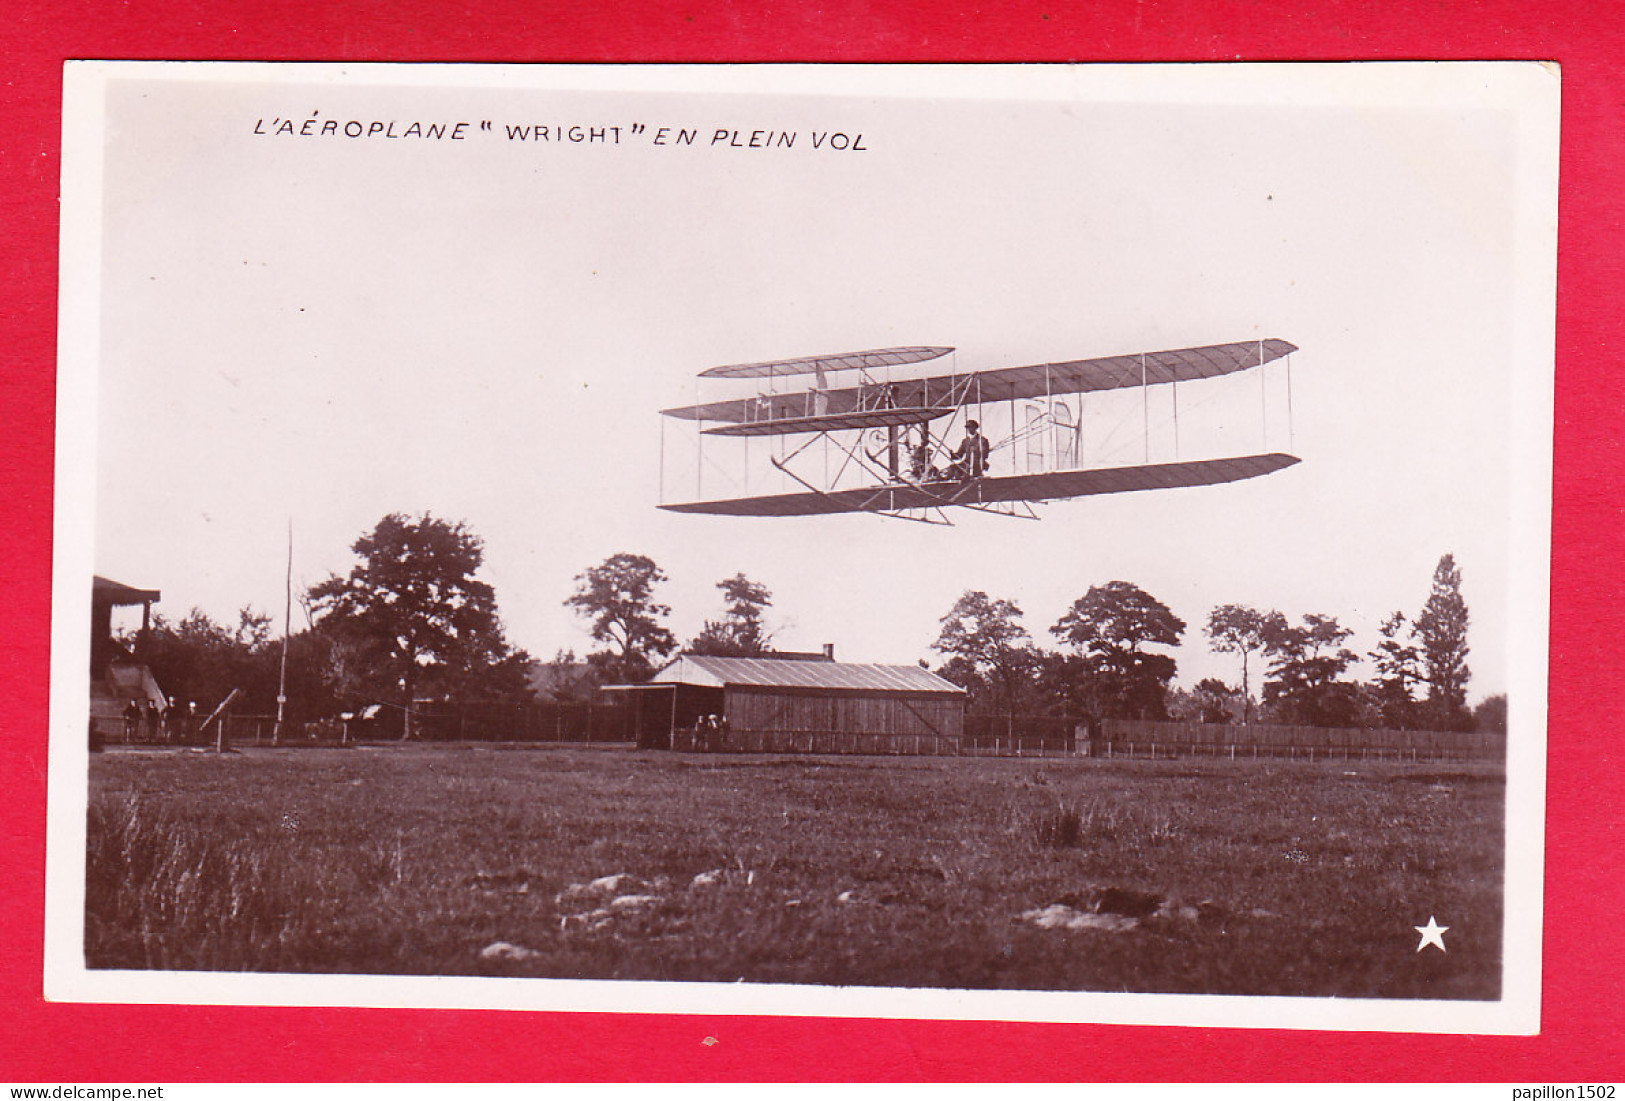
column 1268, row 877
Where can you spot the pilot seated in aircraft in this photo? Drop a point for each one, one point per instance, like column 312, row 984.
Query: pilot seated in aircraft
column 970, row 457
column 920, row 467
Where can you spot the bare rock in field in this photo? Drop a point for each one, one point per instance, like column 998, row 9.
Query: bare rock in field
column 592, row 921
column 1112, row 910
column 615, row 884
column 847, row 896
column 1062, row 916
column 1178, row 913
column 1173, row 910
column 720, row 877
column 502, row 950
column 592, row 912
column 578, row 895
column 626, row 904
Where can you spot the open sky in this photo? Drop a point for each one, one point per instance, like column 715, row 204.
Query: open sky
column 326, row 328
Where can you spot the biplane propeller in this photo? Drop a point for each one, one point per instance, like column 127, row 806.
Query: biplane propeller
column 882, row 429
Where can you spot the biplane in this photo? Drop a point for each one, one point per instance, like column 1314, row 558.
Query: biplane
column 887, row 427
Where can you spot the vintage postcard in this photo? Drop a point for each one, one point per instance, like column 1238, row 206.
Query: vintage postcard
column 1057, row 543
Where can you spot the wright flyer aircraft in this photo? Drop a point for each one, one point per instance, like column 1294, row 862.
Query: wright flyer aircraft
column 889, row 431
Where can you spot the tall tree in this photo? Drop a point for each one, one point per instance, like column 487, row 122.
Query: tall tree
column 1066, row 684
column 1238, row 629
column 1442, row 630
column 984, row 638
column 1309, row 660
column 1213, row 698
column 1110, row 625
column 199, row 661
column 413, row 614
column 1399, row 667
column 617, row 598
column 739, row 632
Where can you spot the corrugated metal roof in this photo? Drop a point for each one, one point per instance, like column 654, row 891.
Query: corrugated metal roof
column 767, row 673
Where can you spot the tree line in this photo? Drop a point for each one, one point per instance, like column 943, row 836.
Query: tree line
column 412, row 624
column 1112, row 662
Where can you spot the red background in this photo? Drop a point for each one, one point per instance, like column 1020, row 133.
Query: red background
column 1582, row 1018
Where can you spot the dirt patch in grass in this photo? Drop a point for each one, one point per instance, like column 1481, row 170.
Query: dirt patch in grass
column 1244, row 877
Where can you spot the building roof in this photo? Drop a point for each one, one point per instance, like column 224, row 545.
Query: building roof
column 113, row 592
column 826, row 675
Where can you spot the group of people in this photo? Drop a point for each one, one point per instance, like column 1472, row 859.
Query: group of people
column 711, row 731
column 144, row 721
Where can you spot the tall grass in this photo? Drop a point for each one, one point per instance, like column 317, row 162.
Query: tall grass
column 890, row 872
column 166, row 891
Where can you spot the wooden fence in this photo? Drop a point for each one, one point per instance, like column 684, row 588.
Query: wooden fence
column 983, row 736
column 1023, row 736
column 1047, row 736
column 529, row 722
column 532, row 722
column 703, row 740
column 1132, row 738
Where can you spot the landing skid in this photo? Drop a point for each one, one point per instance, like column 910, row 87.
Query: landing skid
column 1016, row 510
column 934, row 514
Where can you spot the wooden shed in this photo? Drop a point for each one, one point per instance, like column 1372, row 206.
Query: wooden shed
column 118, row 674
column 795, row 705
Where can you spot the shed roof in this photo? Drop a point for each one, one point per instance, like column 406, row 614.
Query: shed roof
column 105, row 591
column 719, row 672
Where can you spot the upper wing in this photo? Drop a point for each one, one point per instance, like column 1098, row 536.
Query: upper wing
column 1010, row 383
column 1017, row 487
column 840, row 361
column 833, row 422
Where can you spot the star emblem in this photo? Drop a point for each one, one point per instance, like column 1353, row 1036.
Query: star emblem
column 1432, row 933
column 709, row 1040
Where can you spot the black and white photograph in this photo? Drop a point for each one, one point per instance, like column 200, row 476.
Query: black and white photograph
column 988, row 542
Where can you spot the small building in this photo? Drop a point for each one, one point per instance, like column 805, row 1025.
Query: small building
column 801, row 703
column 118, row 675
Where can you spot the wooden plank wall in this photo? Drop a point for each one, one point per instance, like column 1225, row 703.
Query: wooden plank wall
column 763, row 721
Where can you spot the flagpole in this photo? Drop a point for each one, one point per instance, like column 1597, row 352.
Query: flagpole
column 287, row 622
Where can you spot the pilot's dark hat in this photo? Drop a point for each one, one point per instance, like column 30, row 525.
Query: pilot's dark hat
column 973, row 424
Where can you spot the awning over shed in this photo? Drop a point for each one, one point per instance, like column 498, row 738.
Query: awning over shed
column 117, row 594
column 719, row 672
